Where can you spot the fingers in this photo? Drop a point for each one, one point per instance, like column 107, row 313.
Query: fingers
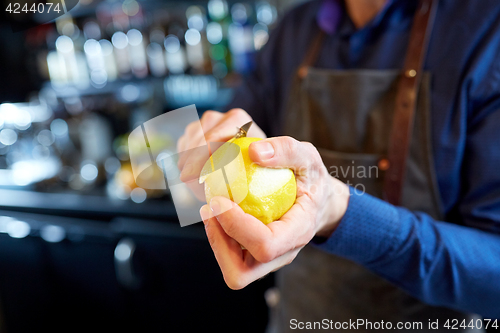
column 194, row 134
column 238, row 266
column 213, row 127
column 265, row 242
column 249, row 269
column 226, row 249
column 235, row 119
column 197, row 189
column 244, row 228
column 191, row 162
column 221, row 132
column 284, row 152
column 296, row 228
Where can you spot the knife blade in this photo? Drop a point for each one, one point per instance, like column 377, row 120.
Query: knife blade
column 242, row 131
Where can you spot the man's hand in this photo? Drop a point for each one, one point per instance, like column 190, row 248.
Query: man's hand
column 215, row 127
column 321, row 202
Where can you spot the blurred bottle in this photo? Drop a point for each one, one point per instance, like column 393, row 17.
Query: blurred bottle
column 109, row 59
column 67, row 64
column 260, row 35
column 95, row 61
column 194, row 36
column 96, row 54
column 155, row 53
column 120, row 44
column 137, row 53
column 240, row 35
column 92, row 30
column 217, row 36
column 175, row 55
column 267, row 15
column 95, row 138
column 218, row 51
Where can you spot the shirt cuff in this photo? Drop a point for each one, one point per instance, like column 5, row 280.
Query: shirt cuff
column 366, row 233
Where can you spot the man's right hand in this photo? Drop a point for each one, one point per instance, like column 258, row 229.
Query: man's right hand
column 215, row 127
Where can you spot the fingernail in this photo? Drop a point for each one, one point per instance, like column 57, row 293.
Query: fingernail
column 215, row 206
column 205, row 213
column 265, row 150
column 219, row 205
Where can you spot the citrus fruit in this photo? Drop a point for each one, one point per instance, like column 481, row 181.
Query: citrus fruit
column 265, row 193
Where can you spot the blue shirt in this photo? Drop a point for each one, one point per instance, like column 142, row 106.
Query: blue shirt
column 453, row 263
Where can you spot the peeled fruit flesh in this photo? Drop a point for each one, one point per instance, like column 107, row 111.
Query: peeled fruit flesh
column 265, row 193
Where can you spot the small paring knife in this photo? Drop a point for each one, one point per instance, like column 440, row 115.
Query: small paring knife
column 242, row 131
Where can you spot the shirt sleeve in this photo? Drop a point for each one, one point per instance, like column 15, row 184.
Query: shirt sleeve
column 441, row 263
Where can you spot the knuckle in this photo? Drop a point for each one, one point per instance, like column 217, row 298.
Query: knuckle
column 238, row 113
column 184, row 177
column 309, row 145
column 311, row 148
column 287, row 146
column 190, row 171
column 191, row 128
column 265, row 253
column 290, row 143
column 209, row 116
column 211, row 138
column 313, row 153
column 230, row 227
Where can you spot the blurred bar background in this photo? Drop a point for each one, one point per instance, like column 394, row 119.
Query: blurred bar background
column 81, row 246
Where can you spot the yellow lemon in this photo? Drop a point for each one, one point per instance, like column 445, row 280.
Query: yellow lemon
column 266, row 193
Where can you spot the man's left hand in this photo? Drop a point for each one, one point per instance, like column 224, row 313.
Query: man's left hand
column 245, row 248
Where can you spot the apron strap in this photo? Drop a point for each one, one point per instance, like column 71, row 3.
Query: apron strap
column 406, row 98
column 312, row 54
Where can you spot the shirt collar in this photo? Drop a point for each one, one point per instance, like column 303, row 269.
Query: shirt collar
column 331, row 13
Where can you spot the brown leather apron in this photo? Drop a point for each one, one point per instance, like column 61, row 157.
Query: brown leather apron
column 350, row 116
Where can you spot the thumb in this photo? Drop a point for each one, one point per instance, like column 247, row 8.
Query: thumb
column 283, row 151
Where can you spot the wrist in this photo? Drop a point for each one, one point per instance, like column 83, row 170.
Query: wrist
column 336, row 207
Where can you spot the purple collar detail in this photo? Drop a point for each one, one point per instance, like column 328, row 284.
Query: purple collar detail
column 329, row 15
